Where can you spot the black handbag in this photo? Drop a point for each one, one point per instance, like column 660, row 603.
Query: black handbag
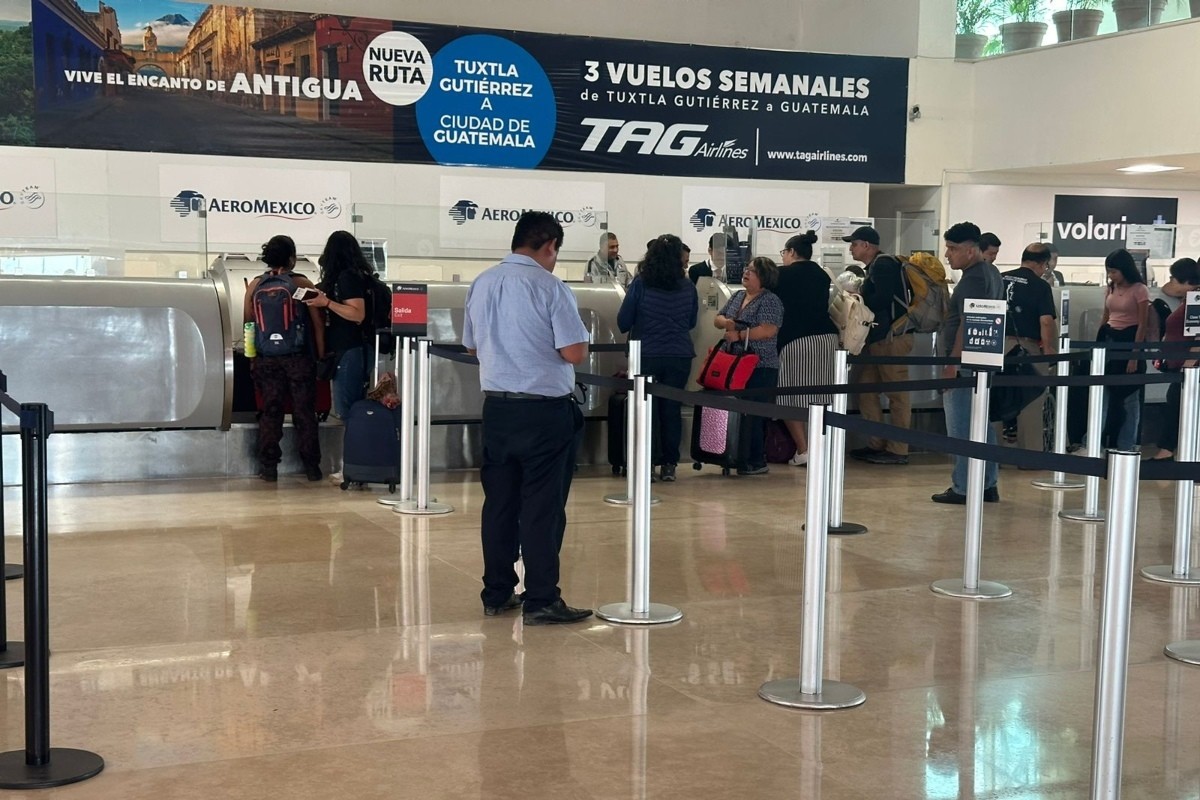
column 327, row 367
column 1008, row 401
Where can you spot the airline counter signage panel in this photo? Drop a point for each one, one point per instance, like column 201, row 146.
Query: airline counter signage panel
column 296, row 85
column 1092, row 226
column 410, row 309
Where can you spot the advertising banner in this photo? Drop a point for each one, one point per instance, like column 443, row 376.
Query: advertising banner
column 159, row 75
column 27, row 198
column 775, row 214
column 1092, row 226
column 479, row 213
column 245, row 206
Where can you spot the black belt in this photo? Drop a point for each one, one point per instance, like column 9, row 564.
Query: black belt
column 523, row 396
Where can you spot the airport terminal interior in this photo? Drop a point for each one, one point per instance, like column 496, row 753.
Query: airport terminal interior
column 212, row 634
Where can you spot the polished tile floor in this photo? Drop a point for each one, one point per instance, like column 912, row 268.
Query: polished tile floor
column 235, row 639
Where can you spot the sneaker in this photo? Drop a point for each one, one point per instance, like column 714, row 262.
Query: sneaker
column 950, row 497
column 799, row 460
column 313, row 473
column 887, row 458
column 668, row 473
column 991, row 495
column 862, row 453
column 1010, row 434
column 763, row 470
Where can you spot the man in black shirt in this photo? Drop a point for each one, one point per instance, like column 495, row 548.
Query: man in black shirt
column 885, row 293
column 1031, row 324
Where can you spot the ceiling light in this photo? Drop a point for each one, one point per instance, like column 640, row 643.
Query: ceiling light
column 1146, row 168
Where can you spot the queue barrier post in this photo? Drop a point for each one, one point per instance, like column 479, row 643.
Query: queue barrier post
column 11, row 571
column 1059, row 479
column 407, row 392
column 1095, row 429
column 423, row 505
column 1112, row 665
column 39, row 765
column 837, row 457
column 810, row 691
column 1179, row 572
column 639, row 610
column 626, row 498
column 12, row 654
column 970, row 587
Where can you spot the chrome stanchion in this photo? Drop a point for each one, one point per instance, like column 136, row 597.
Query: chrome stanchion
column 1180, row 570
column 407, row 392
column 837, row 456
column 639, row 610
column 1059, row 480
column 970, row 587
column 1112, row 666
column 423, row 505
column 810, row 692
column 1095, row 429
column 634, row 367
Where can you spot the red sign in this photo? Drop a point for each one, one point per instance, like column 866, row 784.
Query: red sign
column 410, row 309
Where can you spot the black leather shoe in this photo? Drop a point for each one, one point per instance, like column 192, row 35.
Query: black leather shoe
column 862, row 453
column 991, row 495
column 513, row 601
column 269, row 474
column 950, row 497
column 313, row 473
column 557, row 613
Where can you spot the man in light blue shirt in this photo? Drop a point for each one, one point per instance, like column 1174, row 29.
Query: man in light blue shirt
column 524, row 325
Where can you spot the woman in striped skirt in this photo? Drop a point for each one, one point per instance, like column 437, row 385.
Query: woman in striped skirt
column 808, row 339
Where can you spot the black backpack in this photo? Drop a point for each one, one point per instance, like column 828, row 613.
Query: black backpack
column 281, row 321
column 1157, row 320
column 379, row 311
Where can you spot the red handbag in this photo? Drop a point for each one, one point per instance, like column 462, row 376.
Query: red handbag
column 726, row 371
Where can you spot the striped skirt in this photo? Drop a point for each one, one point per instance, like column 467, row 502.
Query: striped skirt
column 808, row 361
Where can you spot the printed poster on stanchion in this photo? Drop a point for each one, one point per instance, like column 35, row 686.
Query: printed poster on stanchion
column 1064, row 306
column 1191, row 314
column 983, row 333
column 410, row 309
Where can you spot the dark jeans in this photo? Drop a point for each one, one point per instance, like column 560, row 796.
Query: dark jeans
column 528, row 463
column 754, row 443
column 277, row 378
column 1168, row 437
column 667, row 417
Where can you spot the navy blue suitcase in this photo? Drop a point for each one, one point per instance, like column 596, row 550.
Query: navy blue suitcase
column 371, row 447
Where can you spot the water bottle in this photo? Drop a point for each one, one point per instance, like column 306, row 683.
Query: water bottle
column 248, row 334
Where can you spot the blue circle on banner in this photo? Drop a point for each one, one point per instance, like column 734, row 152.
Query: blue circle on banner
column 490, row 105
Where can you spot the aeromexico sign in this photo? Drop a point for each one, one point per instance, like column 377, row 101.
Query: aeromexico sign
column 233, row 81
column 1092, row 226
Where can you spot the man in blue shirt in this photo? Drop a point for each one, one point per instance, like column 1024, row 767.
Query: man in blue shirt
column 524, row 325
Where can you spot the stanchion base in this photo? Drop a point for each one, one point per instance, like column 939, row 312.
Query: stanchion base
column 1165, row 573
column 847, row 529
column 1081, row 515
column 986, row 590
column 1056, row 485
column 626, row 500
column 14, row 571
column 623, row 614
column 833, row 695
column 431, row 509
column 12, row 656
column 1186, row 652
column 64, row 766
column 392, row 501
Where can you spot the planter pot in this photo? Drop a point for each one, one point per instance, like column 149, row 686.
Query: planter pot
column 1078, row 24
column 1133, row 14
column 1195, row 8
column 971, row 45
column 1023, row 35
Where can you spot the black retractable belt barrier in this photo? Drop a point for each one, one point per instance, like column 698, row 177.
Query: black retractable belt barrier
column 11, row 571
column 39, row 766
column 12, row 654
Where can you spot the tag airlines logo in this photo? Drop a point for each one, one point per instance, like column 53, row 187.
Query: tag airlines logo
column 655, row 138
column 465, row 210
column 31, row 197
column 190, row 201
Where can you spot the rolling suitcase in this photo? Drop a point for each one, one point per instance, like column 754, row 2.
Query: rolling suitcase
column 616, row 432
column 716, row 438
column 371, row 446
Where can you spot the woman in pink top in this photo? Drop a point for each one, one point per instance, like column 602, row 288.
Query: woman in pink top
column 1126, row 305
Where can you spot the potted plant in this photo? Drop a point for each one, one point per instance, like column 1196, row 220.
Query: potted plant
column 1133, row 14
column 1026, row 29
column 973, row 15
column 1081, row 19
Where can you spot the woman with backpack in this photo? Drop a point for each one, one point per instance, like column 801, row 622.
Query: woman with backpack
column 342, row 290
column 808, row 337
column 289, row 339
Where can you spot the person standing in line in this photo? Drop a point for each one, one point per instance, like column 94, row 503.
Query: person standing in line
column 808, row 339
column 1185, row 277
column 885, row 292
column 980, row 281
column 607, row 265
column 1126, row 311
column 660, row 309
column 524, row 325
column 989, row 244
column 342, row 291
column 1031, row 324
column 292, row 374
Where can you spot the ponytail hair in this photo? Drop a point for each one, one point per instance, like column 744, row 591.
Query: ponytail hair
column 279, row 252
column 802, row 244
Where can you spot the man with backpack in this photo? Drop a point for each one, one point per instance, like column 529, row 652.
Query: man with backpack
column 1031, row 325
column 885, row 293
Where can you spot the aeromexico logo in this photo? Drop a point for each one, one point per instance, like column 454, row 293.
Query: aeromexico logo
column 189, row 202
column 706, row 218
column 31, row 197
column 465, row 211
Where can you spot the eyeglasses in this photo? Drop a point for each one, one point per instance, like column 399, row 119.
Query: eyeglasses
column 783, row 253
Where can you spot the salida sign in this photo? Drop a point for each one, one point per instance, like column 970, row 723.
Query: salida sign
column 1092, row 226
